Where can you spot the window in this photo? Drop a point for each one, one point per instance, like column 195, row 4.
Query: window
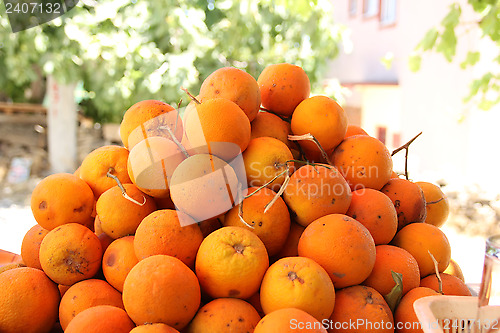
column 381, row 133
column 370, row 8
column 387, row 12
column 353, row 7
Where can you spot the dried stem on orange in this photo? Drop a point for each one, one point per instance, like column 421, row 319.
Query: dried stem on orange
column 124, row 193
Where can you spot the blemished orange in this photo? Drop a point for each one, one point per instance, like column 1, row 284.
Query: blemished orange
column 154, row 328
column 354, row 130
column 376, row 212
column 235, row 85
column 218, row 127
column 282, row 87
column 298, row 282
column 272, row 227
column 392, row 258
column 62, row 198
column 290, row 248
column 96, row 165
column 161, row 289
column 231, row 262
column 289, row 320
column 224, row 315
column 265, row 159
column 350, row 255
column 70, row 253
column 451, row 285
column 29, row 301
column 364, row 161
column 120, row 216
column 86, row 294
column 149, row 118
column 30, row 247
column 408, row 199
column 101, row 319
column 420, row 239
column 364, row 306
column 455, row 270
column 322, row 117
column 315, row 191
column 162, row 233
column 436, row 203
column 405, row 319
column 267, row 124
column 118, row 260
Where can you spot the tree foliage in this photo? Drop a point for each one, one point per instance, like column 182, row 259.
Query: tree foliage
column 484, row 90
column 123, row 51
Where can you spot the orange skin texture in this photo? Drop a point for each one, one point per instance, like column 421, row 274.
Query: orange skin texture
column 62, row 198
column 364, row 161
column 406, row 314
column 289, row 320
column 354, row 130
column 145, row 119
column 86, row 294
column 101, row 319
column 161, row 233
column 282, row 87
column 437, row 205
column 161, row 289
column 376, row 212
column 154, row 328
column 272, row 227
column 290, row 248
column 346, row 265
column 455, row 270
column 30, row 247
column 121, row 222
column 98, row 162
column 70, row 253
column 7, row 267
column 118, row 260
column 29, row 299
column 224, row 315
column 452, row 285
column 322, row 117
column 265, row 158
column 421, row 238
column 362, row 303
column 298, row 282
column 408, row 199
column 231, row 262
column 235, row 85
column 268, row 124
column 316, row 191
column 391, row 258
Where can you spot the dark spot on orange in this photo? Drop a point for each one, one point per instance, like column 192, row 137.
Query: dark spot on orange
column 42, row 205
column 233, row 293
column 79, row 209
column 111, row 260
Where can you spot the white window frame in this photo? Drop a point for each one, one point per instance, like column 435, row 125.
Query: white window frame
column 371, row 8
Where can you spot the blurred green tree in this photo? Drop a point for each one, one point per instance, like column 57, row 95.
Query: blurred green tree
column 122, row 52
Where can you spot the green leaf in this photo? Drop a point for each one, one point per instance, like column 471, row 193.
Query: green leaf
column 414, row 62
column 447, row 44
column 394, row 296
column 453, row 17
column 471, row 59
column 429, row 40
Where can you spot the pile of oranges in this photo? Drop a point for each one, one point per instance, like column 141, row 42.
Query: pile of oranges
column 260, row 209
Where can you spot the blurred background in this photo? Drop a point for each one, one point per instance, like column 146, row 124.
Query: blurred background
column 397, row 67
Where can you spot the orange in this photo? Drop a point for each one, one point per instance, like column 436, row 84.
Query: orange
column 161, row 289
column 235, row 85
column 70, row 253
column 270, row 125
column 405, row 319
column 437, row 205
column 99, row 162
column 154, row 328
column 149, row 118
column 391, row 258
column 62, row 198
column 30, row 247
column 101, row 319
column 282, row 87
column 376, row 212
column 231, row 262
column 365, row 308
column 7, row 258
column 86, row 294
column 455, row 270
column 219, row 127
column 7, row 267
column 350, row 255
column 118, row 260
column 224, row 315
column 315, row 191
column 266, row 158
column 272, row 227
column 300, row 283
column 29, row 301
column 451, row 284
column 322, row 117
column 289, row 320
column 364, row 161
column 103, row 237
column 290, row 248
column 421, row 238
column 209, row 226
column 162, row 233
column 354, row 130
column 254, row 300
